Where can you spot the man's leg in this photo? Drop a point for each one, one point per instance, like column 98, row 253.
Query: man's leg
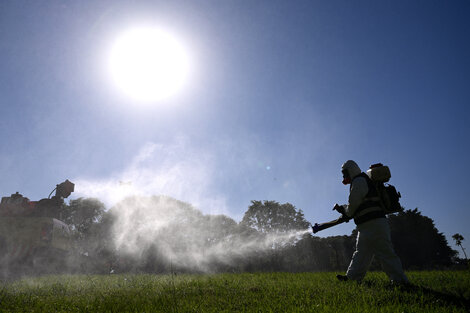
column 385, row 253
column 362, row 257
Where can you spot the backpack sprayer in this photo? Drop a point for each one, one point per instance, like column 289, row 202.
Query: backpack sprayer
column 389, row 197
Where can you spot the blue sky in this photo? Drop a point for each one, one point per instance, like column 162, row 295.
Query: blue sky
column 281, row 93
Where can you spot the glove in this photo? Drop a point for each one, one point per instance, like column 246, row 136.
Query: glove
column 340, row 209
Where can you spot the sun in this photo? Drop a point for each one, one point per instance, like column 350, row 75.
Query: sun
column 148, row 64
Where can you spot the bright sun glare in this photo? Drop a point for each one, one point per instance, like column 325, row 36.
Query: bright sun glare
column 148, row 64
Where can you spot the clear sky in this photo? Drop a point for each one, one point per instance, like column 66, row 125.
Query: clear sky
column 279, row 95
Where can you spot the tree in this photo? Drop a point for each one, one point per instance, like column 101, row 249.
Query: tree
column 418, row 242
column 161, row 234
column 90, row 225
column 272, row 217
column 82, row 213
column 458, row 241
column 279, row 227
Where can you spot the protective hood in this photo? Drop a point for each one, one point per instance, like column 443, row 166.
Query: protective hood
column 350, row 169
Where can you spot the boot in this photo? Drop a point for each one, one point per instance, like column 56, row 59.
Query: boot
column 342, row 277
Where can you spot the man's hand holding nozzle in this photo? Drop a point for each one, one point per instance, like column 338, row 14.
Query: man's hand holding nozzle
column 339, row 208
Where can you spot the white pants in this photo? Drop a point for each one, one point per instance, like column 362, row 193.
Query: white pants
column 374, row 238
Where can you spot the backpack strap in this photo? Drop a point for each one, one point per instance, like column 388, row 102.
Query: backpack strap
column 372, row 199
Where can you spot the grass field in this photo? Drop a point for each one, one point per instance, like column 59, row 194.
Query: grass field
column 441, row 291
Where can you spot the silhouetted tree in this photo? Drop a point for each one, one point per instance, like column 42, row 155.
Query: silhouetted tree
column 218, row 228
column 82, row 213
column 340, row 250
column 90, row 225
column 418, row 242
column 272, row 217
column 172, row 235
column 277, row 224
column 458, row 241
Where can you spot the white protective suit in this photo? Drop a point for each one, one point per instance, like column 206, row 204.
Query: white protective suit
column 373, row 236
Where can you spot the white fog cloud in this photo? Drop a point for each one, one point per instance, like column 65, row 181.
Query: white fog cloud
column 177, row 170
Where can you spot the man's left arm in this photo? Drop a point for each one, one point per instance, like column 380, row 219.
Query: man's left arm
column 357, row 194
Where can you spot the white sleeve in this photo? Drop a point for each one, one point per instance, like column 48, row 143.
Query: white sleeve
column 357, row 194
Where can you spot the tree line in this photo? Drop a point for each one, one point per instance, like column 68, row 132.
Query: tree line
column 160, row 234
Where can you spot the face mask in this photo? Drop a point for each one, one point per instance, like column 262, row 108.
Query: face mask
column 346, row 177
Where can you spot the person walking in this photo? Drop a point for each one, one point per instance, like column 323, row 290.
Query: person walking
column 373, row 237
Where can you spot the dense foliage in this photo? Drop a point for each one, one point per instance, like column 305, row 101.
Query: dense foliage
column 418, row 242
column 161, row 234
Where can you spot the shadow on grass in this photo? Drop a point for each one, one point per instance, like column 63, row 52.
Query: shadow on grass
column 441, row 297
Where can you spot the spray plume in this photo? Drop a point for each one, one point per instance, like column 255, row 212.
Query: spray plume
column 177, row 234
column 169, row 231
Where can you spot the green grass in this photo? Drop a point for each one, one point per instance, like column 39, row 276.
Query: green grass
column 264, row 292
